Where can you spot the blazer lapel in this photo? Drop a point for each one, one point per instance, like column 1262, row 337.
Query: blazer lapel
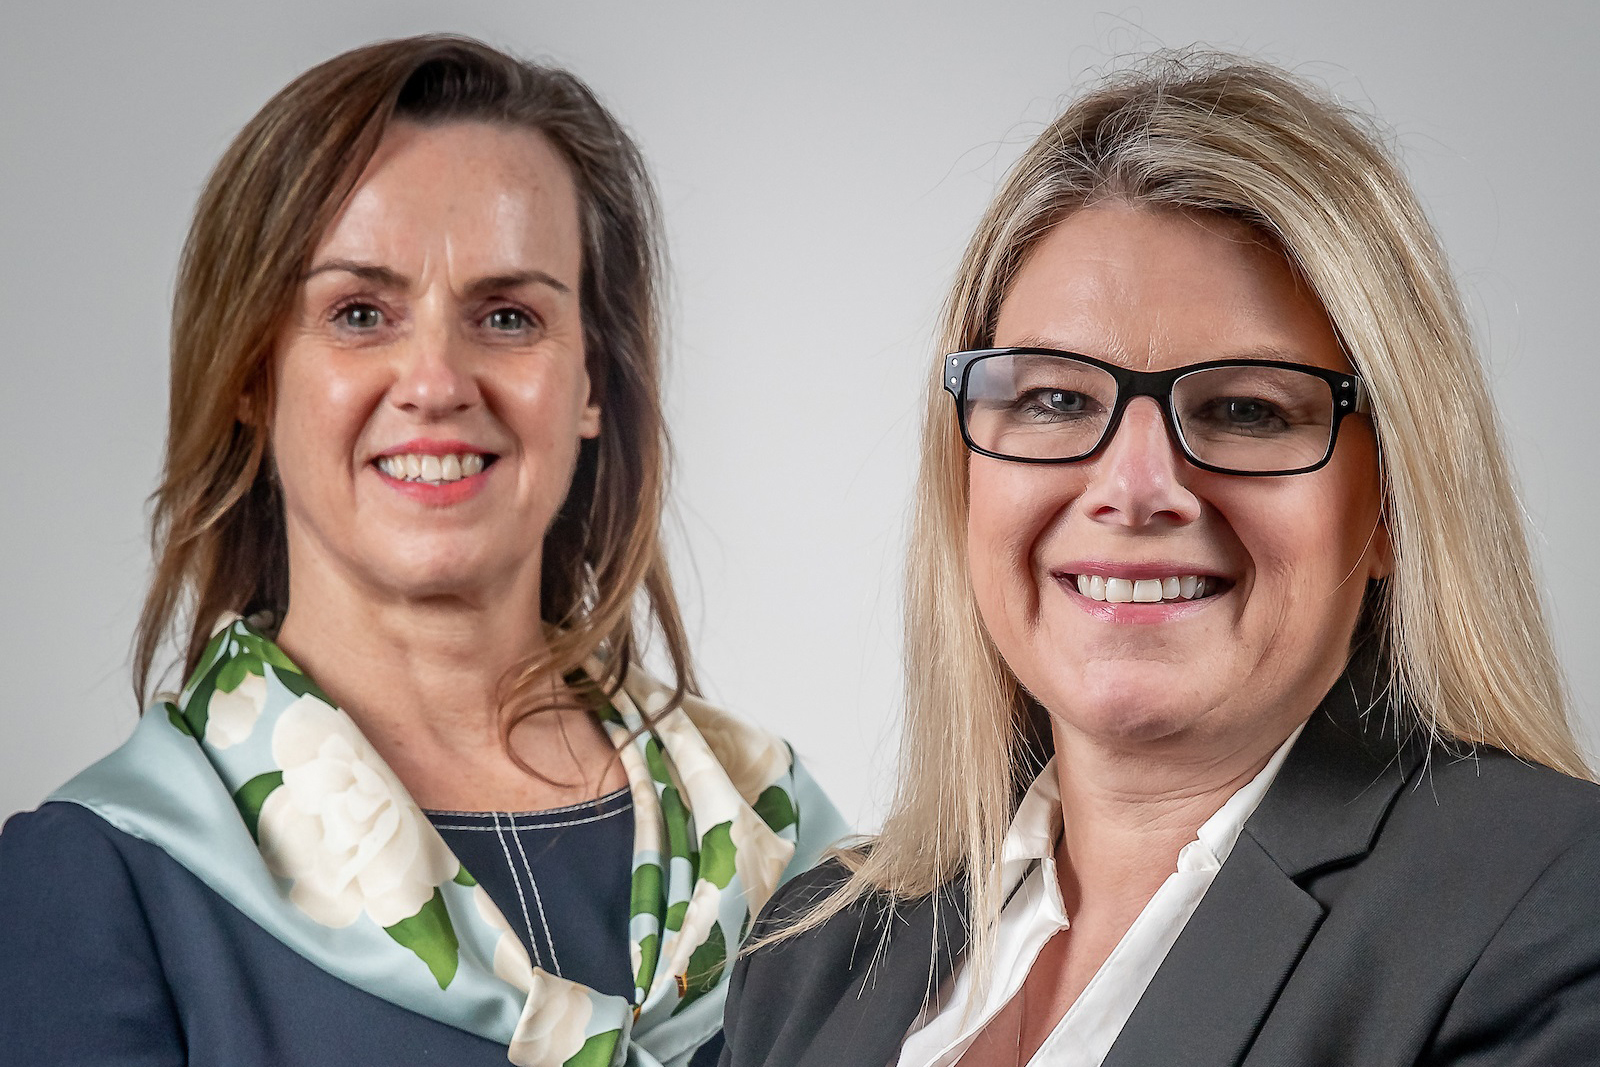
column 1215, row 987
column 1210, row 995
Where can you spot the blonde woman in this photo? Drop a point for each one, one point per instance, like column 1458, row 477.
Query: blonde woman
column 1234, row 731
column 416, row 802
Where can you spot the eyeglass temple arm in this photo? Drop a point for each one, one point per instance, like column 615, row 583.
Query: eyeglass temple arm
column 1363, row 398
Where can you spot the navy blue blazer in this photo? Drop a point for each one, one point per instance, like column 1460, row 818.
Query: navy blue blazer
column 1387, row 904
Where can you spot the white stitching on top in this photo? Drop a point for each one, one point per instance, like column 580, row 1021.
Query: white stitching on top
column 526, row 921
column 538, row 899
column 614, row 794
column 537, row 826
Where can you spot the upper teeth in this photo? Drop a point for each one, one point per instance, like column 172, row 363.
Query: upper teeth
column 1145, row 590
column 411, row 467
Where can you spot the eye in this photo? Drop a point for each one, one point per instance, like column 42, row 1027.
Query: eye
column 1244, row 410
column 1243, row 414
column 358, row 317
column 508, row 320
column 1055, row 403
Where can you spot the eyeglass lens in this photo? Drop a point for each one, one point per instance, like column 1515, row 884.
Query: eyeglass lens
column 1247, row 419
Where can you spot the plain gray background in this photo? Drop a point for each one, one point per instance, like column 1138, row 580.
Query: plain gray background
column 821, row 166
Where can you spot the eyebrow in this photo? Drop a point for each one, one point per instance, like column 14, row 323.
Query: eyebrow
column 514, row 280
column 391, row 279
column 1274, row 353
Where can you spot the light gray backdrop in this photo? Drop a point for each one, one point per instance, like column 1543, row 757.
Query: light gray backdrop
column 821, row 166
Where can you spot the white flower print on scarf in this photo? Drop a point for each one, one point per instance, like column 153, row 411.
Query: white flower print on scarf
column 233, row 715
column 752, row 758
column 343, row 828
column 555, row 1017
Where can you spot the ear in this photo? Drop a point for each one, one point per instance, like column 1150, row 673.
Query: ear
column 249, row 411
column 255, row 404
column 589, row 417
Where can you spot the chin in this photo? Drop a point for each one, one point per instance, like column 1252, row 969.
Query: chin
column 419, row 578
column 1140, row 705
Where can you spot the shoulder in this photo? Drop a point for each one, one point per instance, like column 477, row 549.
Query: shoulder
column 802, row 894
column 1504, row 804
column 77, row 933
column 60, row 842
column 872, row 931
column 828, row 953
column 844, row 990
column 1533, row 992
column 64, row 865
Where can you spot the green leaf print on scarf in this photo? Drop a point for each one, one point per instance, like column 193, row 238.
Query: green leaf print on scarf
column 657, row 761
column 236, row 669
column 705, row 968
column 429, row 934
column 649, row 955
column 196, row 710
column 776, row 808
column 252, row 795
column 716, row 855
column 267, row 651
column 176, row 718
column 676, row 818
column 597, row 1051
column 463, row 878
column 302, row 686
column 649, row 892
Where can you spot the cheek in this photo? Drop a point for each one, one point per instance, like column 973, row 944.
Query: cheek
column 321, row 411
column 538, row 409
column 1308, row 549
column 563, row 400
column 1011, row 507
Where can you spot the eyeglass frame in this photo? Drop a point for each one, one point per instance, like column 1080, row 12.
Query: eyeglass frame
column 1348, row 392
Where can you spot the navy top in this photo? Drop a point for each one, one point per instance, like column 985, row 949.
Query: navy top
column 562, row 878
column 113, row 953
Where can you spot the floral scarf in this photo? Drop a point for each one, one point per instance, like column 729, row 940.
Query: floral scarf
column 254, row 781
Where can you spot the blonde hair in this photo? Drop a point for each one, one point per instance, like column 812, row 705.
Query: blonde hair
column 1471, row 659
column 218, row 528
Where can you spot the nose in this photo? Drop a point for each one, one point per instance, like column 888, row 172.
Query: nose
column 434, row 375
column 1139, row 478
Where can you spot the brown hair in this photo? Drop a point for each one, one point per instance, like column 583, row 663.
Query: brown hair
column 217, row 527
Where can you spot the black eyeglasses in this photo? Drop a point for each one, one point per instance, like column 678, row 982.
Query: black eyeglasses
column 1233, row 416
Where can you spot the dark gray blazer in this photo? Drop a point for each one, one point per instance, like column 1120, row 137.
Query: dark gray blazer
column 1380, row 908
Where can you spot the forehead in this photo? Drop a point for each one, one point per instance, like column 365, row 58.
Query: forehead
column 1152, row 288
column 472, row 190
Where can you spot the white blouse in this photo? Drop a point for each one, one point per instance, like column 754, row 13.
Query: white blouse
column 1034, row 913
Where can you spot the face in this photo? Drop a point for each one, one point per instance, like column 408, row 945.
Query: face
column 430, row 387
column 1282, row 561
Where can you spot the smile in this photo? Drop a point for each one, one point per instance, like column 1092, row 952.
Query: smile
column 1175, row 589
column 433, row 470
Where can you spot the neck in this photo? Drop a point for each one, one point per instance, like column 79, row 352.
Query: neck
column 1128, row 812
column 424, row 679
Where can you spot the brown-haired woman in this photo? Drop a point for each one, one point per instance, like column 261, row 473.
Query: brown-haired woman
column 415, row 453
column 1234, row 731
